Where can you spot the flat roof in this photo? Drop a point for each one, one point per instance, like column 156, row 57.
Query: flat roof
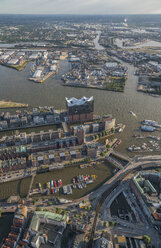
column 121, row 239
column 46, row 215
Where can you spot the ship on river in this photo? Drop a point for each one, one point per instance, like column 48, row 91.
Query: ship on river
column 147, row 128
column 150, row 123
column 131, row 112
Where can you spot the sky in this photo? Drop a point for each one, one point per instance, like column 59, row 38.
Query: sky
column 80, row 6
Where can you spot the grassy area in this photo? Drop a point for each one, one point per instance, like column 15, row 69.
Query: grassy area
column 9, row 104
column 158, row 169
column 18, row 187
column 103, row 171
column 116, row 85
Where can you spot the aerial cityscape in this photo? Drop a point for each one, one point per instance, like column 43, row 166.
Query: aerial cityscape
column 80, row 126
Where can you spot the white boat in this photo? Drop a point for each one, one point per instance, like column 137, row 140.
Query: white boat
column 130, row 148
column 133, row 148
column 154, row 137
column 120, row 130
column 137, row 148
column 131, row 112
column 147, row 128
column 150, row 123
column 154, row 95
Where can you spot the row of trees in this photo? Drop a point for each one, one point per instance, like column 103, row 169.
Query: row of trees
column 58, row 210
column 110, row 223
column 102, row 134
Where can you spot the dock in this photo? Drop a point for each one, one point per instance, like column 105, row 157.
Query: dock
column 30, row 187
column 65, row 127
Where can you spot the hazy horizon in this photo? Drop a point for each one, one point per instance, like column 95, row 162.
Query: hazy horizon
column 84, row 7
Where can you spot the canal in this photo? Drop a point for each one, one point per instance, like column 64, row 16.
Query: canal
column 102, row 170
column 5, row 224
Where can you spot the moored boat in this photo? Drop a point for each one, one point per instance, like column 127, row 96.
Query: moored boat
column 147, row 128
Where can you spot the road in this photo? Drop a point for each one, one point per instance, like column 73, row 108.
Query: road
column 143, row 162
column 109, row 189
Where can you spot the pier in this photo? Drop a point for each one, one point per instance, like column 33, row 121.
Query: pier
column 65, row 127
column 31, row 183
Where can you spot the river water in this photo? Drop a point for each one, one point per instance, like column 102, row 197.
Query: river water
column 15, row 86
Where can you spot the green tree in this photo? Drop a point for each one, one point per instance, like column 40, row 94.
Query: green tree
column 87, row 159
column 88, row 208
column 108, row 146
column 104, row 223
column 84, row 215
column 146, row 239
column 112, row 129
column 58, row 210
column 34, row 201
column 111, row 224
column 64, row 212
column 102, row 154
column 38, row 209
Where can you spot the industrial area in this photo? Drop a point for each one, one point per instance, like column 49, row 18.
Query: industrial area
column 43, row 63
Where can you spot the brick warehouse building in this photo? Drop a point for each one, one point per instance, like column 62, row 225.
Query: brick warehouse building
column 80, row 110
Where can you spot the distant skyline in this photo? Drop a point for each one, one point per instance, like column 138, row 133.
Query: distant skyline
column 80, row 7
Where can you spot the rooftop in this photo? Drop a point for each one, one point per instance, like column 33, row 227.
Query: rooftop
column 46, row 215
column 74, row 101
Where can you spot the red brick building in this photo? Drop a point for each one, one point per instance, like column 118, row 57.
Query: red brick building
column 80, row 110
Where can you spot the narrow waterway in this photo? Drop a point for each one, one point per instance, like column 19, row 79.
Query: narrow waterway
column 5, row 225
column 96, row 42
